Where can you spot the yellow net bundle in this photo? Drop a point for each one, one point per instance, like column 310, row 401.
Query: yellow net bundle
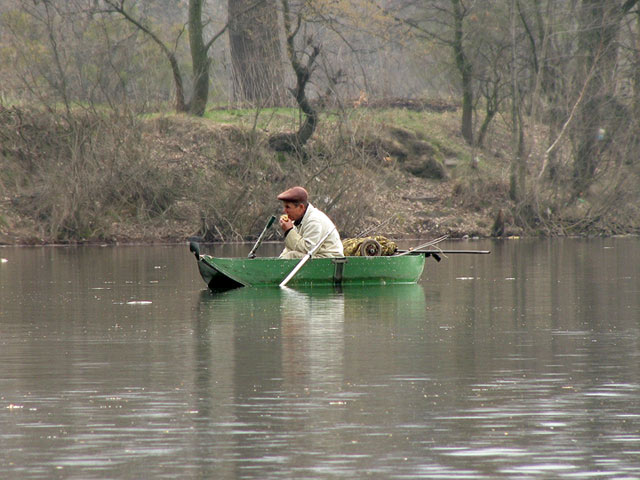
column 369, row 246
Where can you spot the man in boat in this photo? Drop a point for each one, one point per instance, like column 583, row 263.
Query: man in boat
column 304, row 226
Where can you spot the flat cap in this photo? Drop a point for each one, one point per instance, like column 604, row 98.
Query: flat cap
column 294, row 194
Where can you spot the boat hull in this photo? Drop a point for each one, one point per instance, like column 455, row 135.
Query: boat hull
column 226, row 273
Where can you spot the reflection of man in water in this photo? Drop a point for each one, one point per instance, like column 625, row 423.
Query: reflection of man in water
column 304, row 226
column 312, row 335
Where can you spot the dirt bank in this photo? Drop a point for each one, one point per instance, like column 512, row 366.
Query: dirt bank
column 108, row 179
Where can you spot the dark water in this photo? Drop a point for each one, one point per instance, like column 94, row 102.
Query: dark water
column 115, row 363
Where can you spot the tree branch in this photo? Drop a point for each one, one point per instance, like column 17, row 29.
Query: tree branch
column 118, row 7
column 574, row 109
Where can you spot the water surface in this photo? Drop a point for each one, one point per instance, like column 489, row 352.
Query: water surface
column 115, row 362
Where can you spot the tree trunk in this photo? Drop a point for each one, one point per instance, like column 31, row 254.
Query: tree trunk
column 466, row 73
column 255, row 52
column 517, row 177
column 600, row 25
column 181, row 105
column 491, row 95
column 636, row 76
column 200, row 59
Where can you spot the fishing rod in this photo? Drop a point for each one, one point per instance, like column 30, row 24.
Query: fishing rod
column 427, row 244
column 436, row 253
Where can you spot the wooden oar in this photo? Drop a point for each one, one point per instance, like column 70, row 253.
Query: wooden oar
column 424, row 245
column 304, row 259
column 252, row 253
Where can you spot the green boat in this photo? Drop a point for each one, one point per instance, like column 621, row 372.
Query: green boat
column 226, row 273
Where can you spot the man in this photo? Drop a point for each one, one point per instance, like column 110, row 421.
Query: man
column 304, row 226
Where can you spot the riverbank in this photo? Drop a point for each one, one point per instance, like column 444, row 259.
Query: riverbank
column 402, row 172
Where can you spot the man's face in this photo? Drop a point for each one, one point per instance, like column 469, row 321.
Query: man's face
column 294, row 211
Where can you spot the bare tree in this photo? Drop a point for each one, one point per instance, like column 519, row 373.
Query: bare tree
column 303, row 71
column 517, row 177
column 444, row 22
column 635, row 65
column 47, row 73
column 199, row 53
column 598, row 115
column 63, row 56
column 493, row 72
column 465, row 67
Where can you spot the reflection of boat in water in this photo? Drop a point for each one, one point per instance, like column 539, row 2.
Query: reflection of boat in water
column 301, row 333
column 273, row 364
column 259, row 294
column 404, row 301
column 264, row 354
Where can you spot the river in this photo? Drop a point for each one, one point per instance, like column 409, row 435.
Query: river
column 116, row 362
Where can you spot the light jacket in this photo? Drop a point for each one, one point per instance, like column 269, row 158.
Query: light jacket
column 315, row 224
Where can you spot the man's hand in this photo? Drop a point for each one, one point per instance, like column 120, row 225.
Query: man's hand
column 286, row 223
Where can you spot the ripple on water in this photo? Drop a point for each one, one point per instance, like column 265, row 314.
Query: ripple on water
column 489, row 452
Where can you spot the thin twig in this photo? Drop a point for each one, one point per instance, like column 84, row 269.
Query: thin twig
column 560, row 136
column 371, row 229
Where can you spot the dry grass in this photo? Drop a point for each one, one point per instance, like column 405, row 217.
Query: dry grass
column 163, row 179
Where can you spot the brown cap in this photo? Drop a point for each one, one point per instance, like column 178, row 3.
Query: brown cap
column 295, row 194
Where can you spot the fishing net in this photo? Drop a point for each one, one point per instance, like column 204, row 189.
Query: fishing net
column 369, row 246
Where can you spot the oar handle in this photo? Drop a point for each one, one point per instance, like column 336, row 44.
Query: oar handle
column 252, row 253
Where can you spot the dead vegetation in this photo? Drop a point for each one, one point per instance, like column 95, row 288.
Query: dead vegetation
column 164, row 179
